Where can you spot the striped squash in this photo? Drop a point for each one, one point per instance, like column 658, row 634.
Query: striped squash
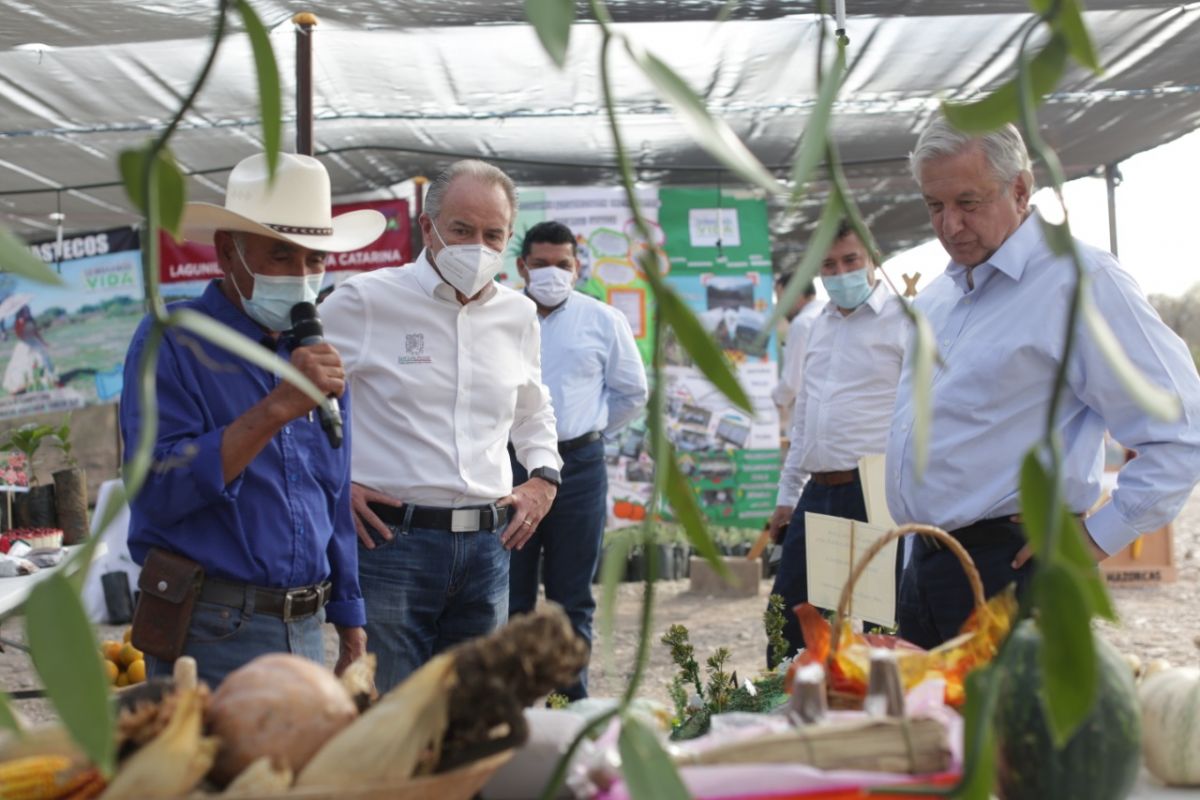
column 1170, row 703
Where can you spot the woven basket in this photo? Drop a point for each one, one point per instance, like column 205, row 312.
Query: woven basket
column 460, row 784
column 847, row 701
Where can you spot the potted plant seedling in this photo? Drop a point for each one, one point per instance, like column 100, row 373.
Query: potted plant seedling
column 70, row 488
column 35, row 508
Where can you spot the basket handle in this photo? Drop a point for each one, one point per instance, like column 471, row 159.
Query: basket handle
column 925, row 530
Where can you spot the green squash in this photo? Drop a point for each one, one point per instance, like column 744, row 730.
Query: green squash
column 1100, row 762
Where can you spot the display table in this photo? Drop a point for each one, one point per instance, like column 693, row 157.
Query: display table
column 13, row 591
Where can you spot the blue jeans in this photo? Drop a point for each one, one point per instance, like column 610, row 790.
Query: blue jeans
column 567, row 541
column 223, row 638
column 791, row 582
column 935, row 598
column 427, row 590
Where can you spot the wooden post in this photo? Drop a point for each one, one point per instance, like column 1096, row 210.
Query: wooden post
column 305, row 22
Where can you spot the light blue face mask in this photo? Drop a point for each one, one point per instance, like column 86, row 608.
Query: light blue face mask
column 848, row 290
column 270, row 304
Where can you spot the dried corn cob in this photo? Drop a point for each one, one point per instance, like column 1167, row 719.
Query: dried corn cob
column 34, row 777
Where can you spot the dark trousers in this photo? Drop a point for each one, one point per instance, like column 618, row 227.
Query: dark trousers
column 935, row 598
column 567, row 541
column 791, row 582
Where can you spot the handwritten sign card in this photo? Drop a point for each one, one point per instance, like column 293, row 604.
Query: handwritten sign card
column 834, row 545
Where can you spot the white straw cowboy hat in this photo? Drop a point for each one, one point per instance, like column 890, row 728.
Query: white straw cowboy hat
column 295, row 208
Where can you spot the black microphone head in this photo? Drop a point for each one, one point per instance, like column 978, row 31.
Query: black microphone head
column 302, row 312
column 306, row 326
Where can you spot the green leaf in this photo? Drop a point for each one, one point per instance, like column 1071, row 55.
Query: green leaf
column 8, row 720
column 816, row 129
column 814, row 253
column 169, row 183
column 67, row 658
column 244, row 347
column 1058, row 237
column 1037, row 493
column 1068, row 654
column 1072, row 28
column 648, row 771
column 979, row 771
column 612, row 570
column 924, row 356
column 687, row 511
column 17, row 258
column 1075, row 553
column 711, row 133
column 1154, row 400
column 727, row 10
column 552, row 20
column 1003, row 105
column 700, row 346
column 269, row 95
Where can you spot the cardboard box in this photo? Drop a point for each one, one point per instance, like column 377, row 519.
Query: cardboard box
column 1147, row 562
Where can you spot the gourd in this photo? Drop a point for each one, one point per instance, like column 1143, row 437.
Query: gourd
column 1099, row 762
column 1171, row 725
column 281, row 706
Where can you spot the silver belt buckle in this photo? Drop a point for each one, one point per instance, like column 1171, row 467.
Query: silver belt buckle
column 464, row 520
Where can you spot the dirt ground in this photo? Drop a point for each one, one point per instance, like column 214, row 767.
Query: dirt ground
column 1156, row 622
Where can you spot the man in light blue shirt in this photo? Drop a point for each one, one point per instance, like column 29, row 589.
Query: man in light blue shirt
column 597, row 383
column 999, row 316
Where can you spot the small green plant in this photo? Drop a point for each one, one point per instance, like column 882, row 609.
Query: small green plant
column 720, row 683
column 28, row 439
column 557, row 700
column 773, row 621
column 684, row 656
column 62, row 438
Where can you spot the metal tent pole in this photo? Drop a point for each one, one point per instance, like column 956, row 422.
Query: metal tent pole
column 305, row 22
column 1112, row 179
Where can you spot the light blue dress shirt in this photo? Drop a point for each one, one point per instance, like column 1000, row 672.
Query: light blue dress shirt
column 1001, row 344
column 591, row 365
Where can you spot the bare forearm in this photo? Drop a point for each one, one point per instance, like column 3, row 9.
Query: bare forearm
column 247, row 435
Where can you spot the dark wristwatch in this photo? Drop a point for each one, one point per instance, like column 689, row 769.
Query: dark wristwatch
column 547, row 474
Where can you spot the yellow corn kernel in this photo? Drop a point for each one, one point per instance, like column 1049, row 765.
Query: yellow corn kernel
column 34, row 777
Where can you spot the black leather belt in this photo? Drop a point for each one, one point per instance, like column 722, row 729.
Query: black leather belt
column 836, row 478
column 457, row 520
column 287, row 604
column 982, row 533
column 578, row 442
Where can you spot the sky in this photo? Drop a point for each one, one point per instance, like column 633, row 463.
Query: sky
column 1158, row 220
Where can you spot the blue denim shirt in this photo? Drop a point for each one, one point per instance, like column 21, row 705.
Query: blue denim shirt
column 286, row 520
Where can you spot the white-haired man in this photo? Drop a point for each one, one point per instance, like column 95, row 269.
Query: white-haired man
column 446, row 366
column 999, row 316
column 244, row 526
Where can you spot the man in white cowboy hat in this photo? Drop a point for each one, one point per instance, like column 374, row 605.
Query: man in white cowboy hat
column 244, row 525
column 445, row 365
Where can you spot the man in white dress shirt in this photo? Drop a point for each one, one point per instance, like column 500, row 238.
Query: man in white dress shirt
column 800, row 322
column 597, row 381
column 999, row 316
column 843, row 409
column 448, row 368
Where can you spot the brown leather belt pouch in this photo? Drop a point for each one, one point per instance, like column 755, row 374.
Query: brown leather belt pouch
column 168, row 588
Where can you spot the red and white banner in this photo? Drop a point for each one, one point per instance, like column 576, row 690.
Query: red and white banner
column 183, row 262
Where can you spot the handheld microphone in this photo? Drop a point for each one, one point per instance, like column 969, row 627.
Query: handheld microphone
column 307, row 331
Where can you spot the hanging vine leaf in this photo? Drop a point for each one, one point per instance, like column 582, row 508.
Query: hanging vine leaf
column 711, row 133
column 924, row 356
column 648, row 771
column 8, row 720
column 687, row 511
column 17, row 258
column 612, row 570
column 1036, row 497
column 1074, row 554
column 979, row 743
column 270, row 101
column 701, row 347
column 68, row 661
column 1003, row 105
column 1068, row 654
column 170, row 190
column 816, row 129
column 1070, row 24
column 552, row 20
column 1152, row 399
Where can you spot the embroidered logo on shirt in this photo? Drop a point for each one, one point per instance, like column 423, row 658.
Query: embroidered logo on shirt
column 414, row 350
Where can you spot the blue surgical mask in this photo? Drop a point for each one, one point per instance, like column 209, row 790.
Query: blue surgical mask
column 848, row 290
column 270, row 304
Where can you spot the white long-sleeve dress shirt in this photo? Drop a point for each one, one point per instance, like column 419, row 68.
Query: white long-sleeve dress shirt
column 439, row 387
column 1001, row 344
column 784, row 393
column 847, row 389
column 591, row 364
